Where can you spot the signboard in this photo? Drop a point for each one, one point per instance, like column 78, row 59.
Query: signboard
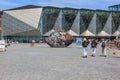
column 2, row 45
column 78, row 42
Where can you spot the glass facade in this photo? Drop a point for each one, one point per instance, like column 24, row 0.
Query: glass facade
column 101, row 20
column 115, row 21
column 24, row 39
column 68, row 18
column 85, row 19
column 65, row 19
column 114, row 8
column 49, row 18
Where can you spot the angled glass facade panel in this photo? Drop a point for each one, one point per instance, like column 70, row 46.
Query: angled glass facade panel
column 92, row 25
column 49, row 17
column 58, row 26
column 40, row 28
column 114, row 7
column 108, row 25
column 68, row 18
column 115, row 21
column 85, row 18
column 76, row 24
column 101, row 20
column 118, row 28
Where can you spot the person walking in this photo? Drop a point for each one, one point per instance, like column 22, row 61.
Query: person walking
column 32, row 43
column 103, row 45
column 93, row 47
column 85, row 44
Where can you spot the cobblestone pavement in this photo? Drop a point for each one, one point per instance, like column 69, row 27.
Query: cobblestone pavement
column 23, row 62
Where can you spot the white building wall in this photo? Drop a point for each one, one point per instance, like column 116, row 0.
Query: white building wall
column 28, row 16
column 18, row 21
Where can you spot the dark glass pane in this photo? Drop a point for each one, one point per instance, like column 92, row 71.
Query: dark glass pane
column 68, row 18
column 49, row 17
column 115, row 21
column 86, row 17
column 101, row 20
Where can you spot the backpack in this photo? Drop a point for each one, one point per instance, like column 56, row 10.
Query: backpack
column 103, row 44
column 93, row 44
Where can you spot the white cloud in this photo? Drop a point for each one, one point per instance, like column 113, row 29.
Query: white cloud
column 69, row 3
column 79, row 3
column 66, row 2
column 7, row 3
column 75, row 1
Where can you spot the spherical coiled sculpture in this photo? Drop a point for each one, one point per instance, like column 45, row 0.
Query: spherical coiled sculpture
column 59, row 39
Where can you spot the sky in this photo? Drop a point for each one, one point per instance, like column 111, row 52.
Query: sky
column 89, row 4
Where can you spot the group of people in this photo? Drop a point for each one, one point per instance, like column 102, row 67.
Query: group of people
column 93, row 45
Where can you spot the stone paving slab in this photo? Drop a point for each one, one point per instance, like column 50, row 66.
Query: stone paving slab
column 41, row 62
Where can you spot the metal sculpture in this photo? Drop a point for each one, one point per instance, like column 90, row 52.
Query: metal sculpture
column 59, row 39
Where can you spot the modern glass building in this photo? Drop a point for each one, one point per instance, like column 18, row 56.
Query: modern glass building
column 33, row 22
column 114, row 7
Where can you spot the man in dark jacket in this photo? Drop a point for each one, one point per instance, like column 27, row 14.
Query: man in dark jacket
column 85, row 44
column 93, row 46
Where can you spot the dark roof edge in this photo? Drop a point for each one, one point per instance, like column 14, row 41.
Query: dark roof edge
column 34, row 6
column 24, row 7
column 51, row 7
column 114, row 5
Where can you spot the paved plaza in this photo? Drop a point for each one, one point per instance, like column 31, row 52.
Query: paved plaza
column 23, row 62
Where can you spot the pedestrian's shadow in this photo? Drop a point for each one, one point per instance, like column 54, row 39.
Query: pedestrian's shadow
column 103, row 55
column 84, row 56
